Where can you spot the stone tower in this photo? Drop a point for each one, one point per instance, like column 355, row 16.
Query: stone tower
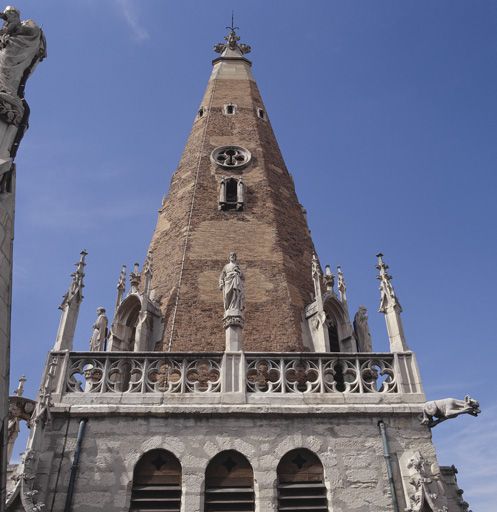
column 265, row 397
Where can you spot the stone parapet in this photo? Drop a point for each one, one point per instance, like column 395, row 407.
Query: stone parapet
column 252, row 378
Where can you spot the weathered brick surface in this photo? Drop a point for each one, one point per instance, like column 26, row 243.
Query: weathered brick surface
column 270, row 236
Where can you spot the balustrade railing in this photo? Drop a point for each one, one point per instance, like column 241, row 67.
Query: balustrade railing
column 334, row 373
column 261, row 373
column 132, row 372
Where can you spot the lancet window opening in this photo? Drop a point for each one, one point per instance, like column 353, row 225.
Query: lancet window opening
column 157, row 483
column 231, row 194
column 301, row 483
column 230, row 109
column 229, row 484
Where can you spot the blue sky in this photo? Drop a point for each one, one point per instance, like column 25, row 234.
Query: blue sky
column 386, row 114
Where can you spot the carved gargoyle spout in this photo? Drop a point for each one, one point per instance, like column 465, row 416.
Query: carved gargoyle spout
column 436, row 411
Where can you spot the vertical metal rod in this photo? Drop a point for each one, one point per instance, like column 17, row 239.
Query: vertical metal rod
column 388, row 460
column 75, row 464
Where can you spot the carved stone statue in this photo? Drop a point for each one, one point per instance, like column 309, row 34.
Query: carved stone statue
column 448, row 408
column 100, row 331
column 231, row 283
column 22, row 46
column 361, row 328
column 427, row 489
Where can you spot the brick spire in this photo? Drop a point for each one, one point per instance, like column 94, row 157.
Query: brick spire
column 232, row 192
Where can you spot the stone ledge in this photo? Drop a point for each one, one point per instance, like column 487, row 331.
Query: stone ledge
column 243, row 409
column 341, row 400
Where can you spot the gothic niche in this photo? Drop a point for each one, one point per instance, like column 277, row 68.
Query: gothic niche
column 125, row 324
column 338, row 326
column 231, row 194
column 230, row 157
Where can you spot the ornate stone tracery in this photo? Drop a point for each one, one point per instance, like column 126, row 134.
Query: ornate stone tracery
column 231, row 157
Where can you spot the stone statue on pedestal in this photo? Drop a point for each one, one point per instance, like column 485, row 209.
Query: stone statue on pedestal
column 22, row 46
column 100, row 331
column 231, row 283
column 361, row 328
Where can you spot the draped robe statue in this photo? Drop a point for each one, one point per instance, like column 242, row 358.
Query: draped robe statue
column 100, row 331
column 231, row 283
column 361, row 329
column 22, row 46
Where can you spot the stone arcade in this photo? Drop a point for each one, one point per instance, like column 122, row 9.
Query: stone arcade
column 289, row 409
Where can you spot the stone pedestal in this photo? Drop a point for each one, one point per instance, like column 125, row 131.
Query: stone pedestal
column 233, row 324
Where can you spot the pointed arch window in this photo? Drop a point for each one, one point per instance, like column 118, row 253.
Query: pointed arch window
column 157, row 483
column 231, row 194
column 229, row 483
column 301, row 483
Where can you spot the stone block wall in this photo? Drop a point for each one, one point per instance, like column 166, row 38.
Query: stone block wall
column 348, row 445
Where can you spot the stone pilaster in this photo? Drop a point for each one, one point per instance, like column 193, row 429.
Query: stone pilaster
column 7, row 211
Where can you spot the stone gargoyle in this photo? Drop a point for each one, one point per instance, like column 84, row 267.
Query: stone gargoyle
column 448, row 408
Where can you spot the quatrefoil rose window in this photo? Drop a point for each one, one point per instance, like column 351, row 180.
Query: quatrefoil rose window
column 231, row 157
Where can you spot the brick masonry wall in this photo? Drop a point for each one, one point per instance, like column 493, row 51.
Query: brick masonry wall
column 270, row 236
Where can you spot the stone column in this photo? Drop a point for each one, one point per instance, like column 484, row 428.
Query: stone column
column 22, row 46
column 233, row 365
column 7, row 208
column 233, row 325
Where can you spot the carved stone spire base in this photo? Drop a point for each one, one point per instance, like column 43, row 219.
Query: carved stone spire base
column 395, row 330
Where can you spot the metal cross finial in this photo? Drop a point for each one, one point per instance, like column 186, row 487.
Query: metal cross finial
column 233, row 28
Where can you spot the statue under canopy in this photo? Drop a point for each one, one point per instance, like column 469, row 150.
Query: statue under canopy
column 22, row 46
column 100, row 331
column 231, row 283
column 361, row 329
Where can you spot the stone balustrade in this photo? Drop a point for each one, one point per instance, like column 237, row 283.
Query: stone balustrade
column 253, row 374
